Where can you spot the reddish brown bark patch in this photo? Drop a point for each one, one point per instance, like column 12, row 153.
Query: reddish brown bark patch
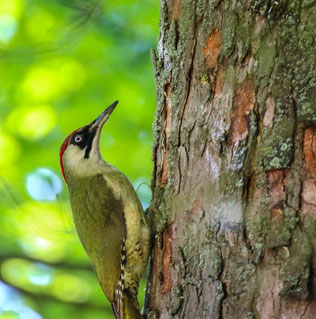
column 167, row 239
column 309, row 183
column 212, row 48
column 309, row 198
column 244, row 101
column 277, row 213
column 166, row 133
column 219, row 83
column 309, row 192
column 167, row 111
column 277, row 186
column 310, row 152
column 176, row 9
column 164, row 170
column 246, row 59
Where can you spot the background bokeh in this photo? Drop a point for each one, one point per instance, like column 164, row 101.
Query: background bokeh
column 62, row 62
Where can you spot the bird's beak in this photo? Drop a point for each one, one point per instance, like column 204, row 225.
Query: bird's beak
column 98, row 123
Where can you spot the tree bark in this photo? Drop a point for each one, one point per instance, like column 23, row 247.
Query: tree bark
column 234, row 182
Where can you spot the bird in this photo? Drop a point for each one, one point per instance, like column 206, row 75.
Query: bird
column 108, row 217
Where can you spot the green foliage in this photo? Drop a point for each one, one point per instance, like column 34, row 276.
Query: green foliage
column 62, row 63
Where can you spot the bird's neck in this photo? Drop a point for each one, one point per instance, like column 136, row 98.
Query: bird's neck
column 75, row 169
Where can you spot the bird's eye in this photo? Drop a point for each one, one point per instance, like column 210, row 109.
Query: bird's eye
column 78, row 138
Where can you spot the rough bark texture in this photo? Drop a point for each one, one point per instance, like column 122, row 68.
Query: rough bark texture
column 234, row 206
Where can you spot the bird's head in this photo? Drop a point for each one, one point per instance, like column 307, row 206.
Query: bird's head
column 82, row 147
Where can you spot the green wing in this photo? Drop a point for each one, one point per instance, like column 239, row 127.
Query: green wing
column 99, row 220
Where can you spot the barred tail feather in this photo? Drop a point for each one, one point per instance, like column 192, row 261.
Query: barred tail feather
column 117, row 307
column 131, row 306
column 117, row 316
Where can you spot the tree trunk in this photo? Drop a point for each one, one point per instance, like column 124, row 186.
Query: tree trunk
column 234, row 184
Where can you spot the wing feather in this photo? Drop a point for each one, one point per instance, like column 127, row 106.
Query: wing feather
column 100, row 223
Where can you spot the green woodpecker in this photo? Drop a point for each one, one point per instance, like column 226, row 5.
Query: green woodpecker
column 108, row 217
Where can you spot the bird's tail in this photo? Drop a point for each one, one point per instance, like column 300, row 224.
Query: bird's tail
column 131, row 306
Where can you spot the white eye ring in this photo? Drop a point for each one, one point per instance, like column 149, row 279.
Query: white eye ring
column 78, row 138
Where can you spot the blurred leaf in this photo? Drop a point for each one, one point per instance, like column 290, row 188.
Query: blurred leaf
column 62, row 63
column 32, row 122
